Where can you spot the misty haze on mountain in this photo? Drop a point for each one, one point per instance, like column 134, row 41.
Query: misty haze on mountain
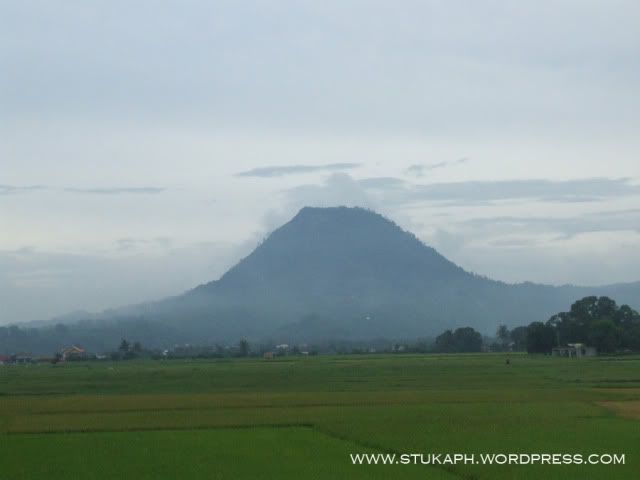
column 329, row 274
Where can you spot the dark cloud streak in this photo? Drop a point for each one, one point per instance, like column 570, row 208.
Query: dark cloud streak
column 116, row 190
column 418, row 170
column 281, row 170
column 14, row 189
column 578, row 190
column 566, row 227
column 475, row 193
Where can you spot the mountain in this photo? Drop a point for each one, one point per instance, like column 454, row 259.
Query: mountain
column 351, row 273
column 343, row 273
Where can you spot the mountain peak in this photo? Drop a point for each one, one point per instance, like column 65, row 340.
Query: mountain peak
column 338, row 213
column 342, row 217
column 326, row 250
column 340, row 209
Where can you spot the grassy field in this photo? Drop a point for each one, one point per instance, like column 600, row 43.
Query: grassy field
column 302, row 417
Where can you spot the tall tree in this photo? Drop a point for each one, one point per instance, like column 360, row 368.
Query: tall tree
column 467, row 340
column 243, row 347
column 604, row 335
column 540, row 338
column 444, row 342
column 503, row 335
column 124, row 346
column 519, row 338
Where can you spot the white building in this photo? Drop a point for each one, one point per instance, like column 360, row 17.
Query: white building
column 574, row 350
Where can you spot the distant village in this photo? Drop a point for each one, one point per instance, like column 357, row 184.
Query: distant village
column 135, row 350
column 72, row 353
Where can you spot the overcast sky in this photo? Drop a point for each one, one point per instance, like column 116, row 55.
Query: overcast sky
column 147, row 146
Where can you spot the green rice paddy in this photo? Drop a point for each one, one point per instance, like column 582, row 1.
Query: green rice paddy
column 302, row 417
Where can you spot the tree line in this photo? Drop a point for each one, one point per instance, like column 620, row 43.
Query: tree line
column 595, row 321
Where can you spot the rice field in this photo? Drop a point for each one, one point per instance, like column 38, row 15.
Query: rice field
column 302, row 417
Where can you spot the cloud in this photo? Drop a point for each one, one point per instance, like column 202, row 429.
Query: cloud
column 14, row 189
column 578, row 190
column 341, row 189
column 338, row 189
column 391, row 196
column 447, row 241
column 529, row 70
column 24, row 250
column 147, row 245
column 594, row 248
column 418, row 170
column 382, row 182
column 535, row 240
column 397, row 191
column 517, row 242
column 279, row 171
column 65, row 282
column 563, row 227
